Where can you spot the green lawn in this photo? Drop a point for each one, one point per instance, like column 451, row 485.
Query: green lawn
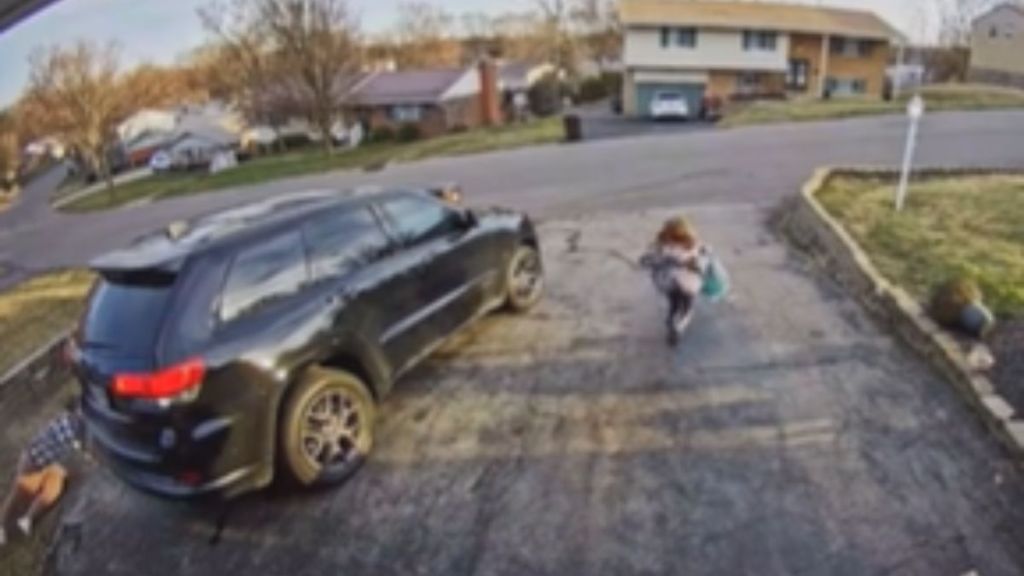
column 312, row 161
column 34, row 312
column 970, row 225
column 941, row 97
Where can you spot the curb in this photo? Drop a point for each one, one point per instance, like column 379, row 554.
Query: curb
column 37, row 365
column 810, row 227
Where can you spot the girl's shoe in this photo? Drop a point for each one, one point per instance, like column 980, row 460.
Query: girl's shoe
column 681, row 324
column 25, row 525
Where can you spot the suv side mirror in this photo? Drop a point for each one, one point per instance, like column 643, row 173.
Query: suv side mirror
column 468, row 219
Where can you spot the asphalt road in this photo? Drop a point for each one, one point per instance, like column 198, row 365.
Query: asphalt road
column 756, row 165
column 787, row 436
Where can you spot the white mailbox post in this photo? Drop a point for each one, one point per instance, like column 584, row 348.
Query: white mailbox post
column 915, row 110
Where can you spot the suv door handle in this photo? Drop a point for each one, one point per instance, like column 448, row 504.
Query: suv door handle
column 335, row 299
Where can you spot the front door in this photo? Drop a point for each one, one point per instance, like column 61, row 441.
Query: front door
column 360, row 272
column 441, row 259
column 798, row 75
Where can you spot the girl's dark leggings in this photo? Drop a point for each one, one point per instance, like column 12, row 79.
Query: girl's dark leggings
column 679, row 304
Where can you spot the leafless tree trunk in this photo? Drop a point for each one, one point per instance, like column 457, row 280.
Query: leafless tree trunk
column 9, row 150
column 422, row 37
column 80, row 89
column 598, row 26
column 555, row 31
column 300, row 55
column 956, row 18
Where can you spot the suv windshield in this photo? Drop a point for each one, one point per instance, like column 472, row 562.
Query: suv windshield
column 125, row 313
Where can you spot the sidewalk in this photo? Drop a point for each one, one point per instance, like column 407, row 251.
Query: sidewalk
column 137, row 174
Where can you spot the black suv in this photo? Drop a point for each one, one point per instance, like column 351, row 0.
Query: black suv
column 262, row 337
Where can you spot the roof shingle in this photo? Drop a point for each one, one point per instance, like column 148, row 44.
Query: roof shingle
column 406, row 87
column 758, row 16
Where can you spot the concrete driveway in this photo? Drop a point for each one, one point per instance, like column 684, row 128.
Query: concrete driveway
column 787, row 436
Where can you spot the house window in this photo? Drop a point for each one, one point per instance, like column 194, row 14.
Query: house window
column 748, row 83
column 406, row 113
column 680, row 37
column 686, row 37
column 849, row 47
column 759, row 40
column 993, row 32
column 797, row 75
column 846, row 86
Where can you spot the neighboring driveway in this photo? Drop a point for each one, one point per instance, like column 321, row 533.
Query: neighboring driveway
column 754, row 165
column 600, row 123
column 788, row 436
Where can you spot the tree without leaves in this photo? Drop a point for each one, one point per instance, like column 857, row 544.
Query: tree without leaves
column 597, row 24
column 164, row 86
column 555, row 34
column 79, row 89
column 423, row 37
column 10, row 157
column 956, row 19
column 294, row 54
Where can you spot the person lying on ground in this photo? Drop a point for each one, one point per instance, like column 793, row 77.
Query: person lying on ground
column 42, row 470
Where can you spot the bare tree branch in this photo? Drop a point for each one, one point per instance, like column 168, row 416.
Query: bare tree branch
column 295, row 56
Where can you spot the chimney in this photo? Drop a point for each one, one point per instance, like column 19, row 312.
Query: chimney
column 490, row 96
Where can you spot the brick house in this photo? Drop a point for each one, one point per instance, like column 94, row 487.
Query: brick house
column 749, row 50
column 436, row 101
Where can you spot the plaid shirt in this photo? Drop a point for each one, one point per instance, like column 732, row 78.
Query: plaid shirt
column 61, row 438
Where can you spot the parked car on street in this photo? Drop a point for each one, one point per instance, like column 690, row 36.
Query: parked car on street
column 161, row 161
column 262, row 338
column 669, row 105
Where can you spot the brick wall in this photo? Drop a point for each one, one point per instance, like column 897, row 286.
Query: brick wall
column 726, row 84
column 870, row 68
column 435, row 119
column 721, row 84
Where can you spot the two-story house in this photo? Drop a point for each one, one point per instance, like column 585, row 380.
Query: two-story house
column 997, row 46
column 748, row 49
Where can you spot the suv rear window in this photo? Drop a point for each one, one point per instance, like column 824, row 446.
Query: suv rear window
column 126, row 312
column 263, row 274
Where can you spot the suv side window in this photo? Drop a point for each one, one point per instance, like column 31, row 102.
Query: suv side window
column 262, row 274
column 418, row 219
column 341, row 241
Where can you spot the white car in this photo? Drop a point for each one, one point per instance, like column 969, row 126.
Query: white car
column 668, row 105
column 161, row 162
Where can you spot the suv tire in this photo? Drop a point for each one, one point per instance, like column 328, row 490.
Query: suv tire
column 326, row 428
column 524, row 279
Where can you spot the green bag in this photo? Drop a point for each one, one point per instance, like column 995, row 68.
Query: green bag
column 716, row 280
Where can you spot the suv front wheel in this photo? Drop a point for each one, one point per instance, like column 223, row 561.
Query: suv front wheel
column 524, row 279
column 327, row 427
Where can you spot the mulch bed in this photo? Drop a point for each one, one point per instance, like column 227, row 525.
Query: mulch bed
column 1007, row 345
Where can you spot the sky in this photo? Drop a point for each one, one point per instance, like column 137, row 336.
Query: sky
column 160, row 31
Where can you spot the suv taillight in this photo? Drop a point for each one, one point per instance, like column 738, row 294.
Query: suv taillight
column 167, row 383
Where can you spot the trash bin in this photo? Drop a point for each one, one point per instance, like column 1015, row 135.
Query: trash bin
column 573, row 128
